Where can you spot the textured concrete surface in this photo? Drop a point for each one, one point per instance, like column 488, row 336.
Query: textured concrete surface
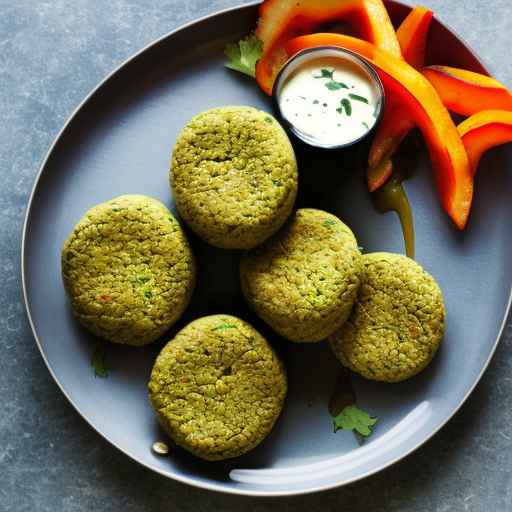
column 51, row 54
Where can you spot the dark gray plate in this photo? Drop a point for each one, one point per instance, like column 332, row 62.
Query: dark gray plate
column 119, row 141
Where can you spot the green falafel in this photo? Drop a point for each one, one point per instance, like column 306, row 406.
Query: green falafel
column 303, row 281
column 397, row 323
column 234, row 176
column 218, row 387
column 128, row 269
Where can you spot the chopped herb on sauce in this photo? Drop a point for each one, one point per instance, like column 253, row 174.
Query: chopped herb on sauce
column 356, row 97
column 326, row 73
column 335, row 86
column 347, row 106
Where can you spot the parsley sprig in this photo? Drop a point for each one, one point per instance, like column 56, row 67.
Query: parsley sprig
column 99, row 361
column 355, row 419
column 244, row 55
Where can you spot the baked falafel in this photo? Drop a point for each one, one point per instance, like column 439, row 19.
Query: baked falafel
column 397, row 323
column 128, row 269
column 304, row 280
column 218, row 387
column 234, row 176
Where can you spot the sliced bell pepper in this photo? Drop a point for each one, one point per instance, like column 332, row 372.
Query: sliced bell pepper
column 281, row 20
column 467, row 93
column 396, row 123
column 450, row 162
column 412, row 35
column 483, row 131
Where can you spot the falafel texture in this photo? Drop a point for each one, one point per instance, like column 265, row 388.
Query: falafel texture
column 398, row 321
column 234, row 176
column 128, row 270
column 218, row 387
column 303, row 281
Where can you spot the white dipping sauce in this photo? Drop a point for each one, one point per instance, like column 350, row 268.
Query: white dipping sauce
column 330, row 99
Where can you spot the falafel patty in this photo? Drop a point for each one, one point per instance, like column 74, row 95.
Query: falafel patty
column 218, row 387
column 303, row 281
column 397, row 323
column 234, row 176
column 128, row 270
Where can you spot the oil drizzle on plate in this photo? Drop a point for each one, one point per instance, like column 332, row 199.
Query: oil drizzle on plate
column 392, row 197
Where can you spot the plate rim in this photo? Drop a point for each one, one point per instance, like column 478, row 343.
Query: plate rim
column 217, row 487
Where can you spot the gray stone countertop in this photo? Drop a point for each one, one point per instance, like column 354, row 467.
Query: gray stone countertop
column 52, row 53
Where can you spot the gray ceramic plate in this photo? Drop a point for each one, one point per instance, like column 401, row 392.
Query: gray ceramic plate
column 119, row 141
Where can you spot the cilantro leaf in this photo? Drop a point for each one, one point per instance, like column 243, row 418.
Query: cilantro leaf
column 98, row 361
column 332, row 85
column 353, row 418
column 329, row 222
column 140, row 279
column 224, row 326
column 347, row 106
column 244, row 55
column 326, row 73
column 356, row 97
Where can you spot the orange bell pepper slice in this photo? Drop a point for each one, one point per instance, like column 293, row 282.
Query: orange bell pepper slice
column 465, row 92
column 485, row 130
column 396, row 123
column 281, row 20
column 413, row 35
column 452, row 171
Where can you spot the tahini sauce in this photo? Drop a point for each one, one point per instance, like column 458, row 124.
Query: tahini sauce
column 331, row 100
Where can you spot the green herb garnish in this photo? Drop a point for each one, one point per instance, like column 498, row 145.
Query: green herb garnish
column 335, row 86
column 365, row 124
column 355, row 419
column 140, row 279
column 268, row 120
column 345, row 104
column 148, row 294
column 329, row 222
column 244, row 55
column 98, row 361
column 356, row 97
column 325, row 73
column 224, row 326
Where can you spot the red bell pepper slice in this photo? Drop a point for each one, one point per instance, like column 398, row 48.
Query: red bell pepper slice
column 483, row 131
column 281, row 20
column 451, row 167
